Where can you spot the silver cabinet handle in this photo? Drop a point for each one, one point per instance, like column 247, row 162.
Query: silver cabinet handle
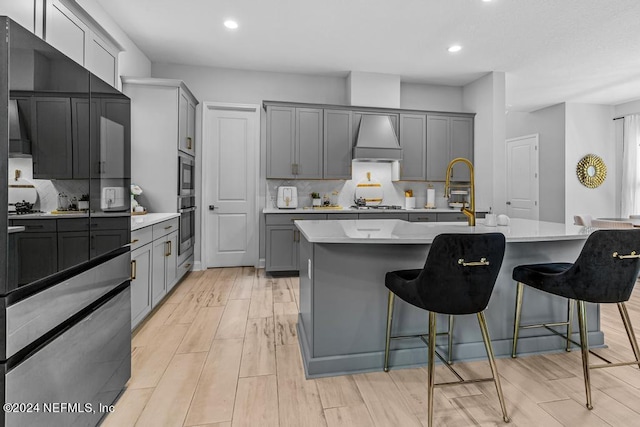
column 483, row 261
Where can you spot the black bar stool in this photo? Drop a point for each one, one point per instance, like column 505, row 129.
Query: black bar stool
column 605, row 272
column 458, row 278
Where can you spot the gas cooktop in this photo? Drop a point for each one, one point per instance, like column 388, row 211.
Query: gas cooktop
column 379, row 207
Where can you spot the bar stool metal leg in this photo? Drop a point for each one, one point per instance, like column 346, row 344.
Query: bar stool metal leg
column 569, row 319
column 450, row 335
column 516, row 321
column 584, row 344
column 627, row 326
column 389, row 320
column 492, row 363
column 431, row 366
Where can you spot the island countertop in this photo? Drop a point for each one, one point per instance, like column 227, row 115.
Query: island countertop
column 392, row 231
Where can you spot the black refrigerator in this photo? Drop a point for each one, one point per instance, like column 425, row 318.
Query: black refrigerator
column 65, row 316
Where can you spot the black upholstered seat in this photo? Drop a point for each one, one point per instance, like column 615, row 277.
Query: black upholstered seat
column 458, row 278
column 605, row 272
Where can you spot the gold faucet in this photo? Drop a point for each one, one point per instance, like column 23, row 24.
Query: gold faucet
column 471, row 212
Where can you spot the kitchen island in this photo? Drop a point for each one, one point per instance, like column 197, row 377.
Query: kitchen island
column 343, row 300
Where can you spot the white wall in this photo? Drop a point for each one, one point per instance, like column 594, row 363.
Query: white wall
column 486, row 97
column 632, row 107
column 373, row 89
column 415, row 96
column 549, row 124
column 590, row 130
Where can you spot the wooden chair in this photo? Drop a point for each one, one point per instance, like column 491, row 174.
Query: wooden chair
column 600, row 223
column 584, row 220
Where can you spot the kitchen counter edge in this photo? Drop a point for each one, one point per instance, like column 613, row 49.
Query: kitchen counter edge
column 141, row 221
column 354, row 211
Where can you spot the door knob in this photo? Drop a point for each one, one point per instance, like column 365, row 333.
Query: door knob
column 211, row 207
column 508, row 203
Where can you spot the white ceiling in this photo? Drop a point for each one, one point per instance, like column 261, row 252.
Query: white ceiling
column 551, row 50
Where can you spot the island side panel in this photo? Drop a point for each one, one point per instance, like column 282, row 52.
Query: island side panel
column 343, row 307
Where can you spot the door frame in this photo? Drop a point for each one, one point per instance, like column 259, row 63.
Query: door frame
column 537, row 177
column 207, row 108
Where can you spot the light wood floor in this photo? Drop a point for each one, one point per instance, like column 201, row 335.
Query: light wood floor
column 222, row 351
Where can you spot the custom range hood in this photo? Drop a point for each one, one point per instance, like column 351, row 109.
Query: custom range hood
column 376, row 140
column 19, row 143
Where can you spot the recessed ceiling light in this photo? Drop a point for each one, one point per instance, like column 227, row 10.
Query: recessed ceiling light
column 231, row 24
column 455, row 48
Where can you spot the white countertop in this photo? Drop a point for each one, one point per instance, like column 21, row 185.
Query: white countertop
column 141, row 221
column 15, row 229
column 49, row 215
column 393, row 231
column 354, row 210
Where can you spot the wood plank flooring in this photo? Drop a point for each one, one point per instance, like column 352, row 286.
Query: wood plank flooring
column 222, row 350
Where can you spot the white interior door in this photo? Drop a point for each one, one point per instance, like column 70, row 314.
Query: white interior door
column 522, row 177
column 229, row 185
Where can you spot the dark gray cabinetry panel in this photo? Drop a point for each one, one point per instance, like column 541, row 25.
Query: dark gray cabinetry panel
column 36, row 248
column 437, row 147
column 338, row 143
column 140, row 284
column 423, row 217
column 448, row 138
column 72, row 248
column 51, row 133
column 382, row 215
column 308, row 143
column 281, row 134
column 413, row 140
column 85, row 128
column 282, row 253
column 461, row 145
column 283, row 240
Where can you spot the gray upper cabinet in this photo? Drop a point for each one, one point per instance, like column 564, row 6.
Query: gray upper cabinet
column 187, row 123
column 294, row 142
column 308, row 147
column 413, row 140
column 281, row 135
column 461, row 145
column 448, row 138
column 337, row 144
column 52, row 142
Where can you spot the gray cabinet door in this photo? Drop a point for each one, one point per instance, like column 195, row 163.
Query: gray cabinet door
column 423, row 217
column 338, row 144
column 281, row 253
column 437, row 147
column 140, row 284
column 73, row 248
column 308, row 147
column 413, row 140
column 461, row 145
column 37, row 254
column 104, row 241
column 171, row 261
column 159, row 272
column 51, row 138
column 186, row 124
column 85, row 126
column 280, row 142
column 452, row 217
column 383, row 215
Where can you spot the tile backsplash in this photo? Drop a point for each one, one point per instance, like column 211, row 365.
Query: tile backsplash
column 393, row 192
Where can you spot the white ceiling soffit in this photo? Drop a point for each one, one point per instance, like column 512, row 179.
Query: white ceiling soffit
column 551, row 50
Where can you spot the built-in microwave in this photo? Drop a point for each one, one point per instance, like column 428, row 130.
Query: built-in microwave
column 186, row 175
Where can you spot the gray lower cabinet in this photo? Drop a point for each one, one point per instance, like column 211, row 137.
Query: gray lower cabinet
column 413, row 141
column 165, row 265
column 141, row 303
column 283, row 240
column 338, row 144
column 154, row 267
column 383, row 215
column 72, row 248
column 423, row 217
column 38, row 254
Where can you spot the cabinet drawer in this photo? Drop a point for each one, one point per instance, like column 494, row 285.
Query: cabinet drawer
column 165, row 228
column 141, row 237
column 381, row 215
column 35, row 225
column 73, row 224
column 423, row 217
column 451, row 217
column 343, row 216
column 288, row 219
column 115, row 223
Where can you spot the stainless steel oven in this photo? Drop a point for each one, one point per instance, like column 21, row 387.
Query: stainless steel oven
column 187, row 211
column 186, row 176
